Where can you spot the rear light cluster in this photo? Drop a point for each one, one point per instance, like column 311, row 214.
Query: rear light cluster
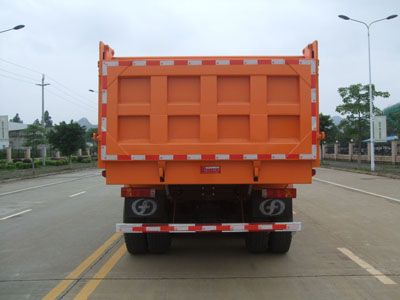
column 281, row 193
column 131, row 192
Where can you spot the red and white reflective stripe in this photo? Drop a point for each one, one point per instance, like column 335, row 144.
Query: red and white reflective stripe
column 202, row 62
column 206, row 62
column 205, row 157
column 193, row 228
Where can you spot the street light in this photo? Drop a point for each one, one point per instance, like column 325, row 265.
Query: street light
column 14, row 28
column 93, row 91
column 371, row 110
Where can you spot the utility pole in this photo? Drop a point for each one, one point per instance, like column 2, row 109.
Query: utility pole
column 42, row 85
column 42, row 122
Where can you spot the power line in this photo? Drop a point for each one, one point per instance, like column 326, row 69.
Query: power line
column 17, row 74
column 70, row 101
column 67, row 88
column 51, row 78
column 17, row 79
column 21, row 66
column 73, row 97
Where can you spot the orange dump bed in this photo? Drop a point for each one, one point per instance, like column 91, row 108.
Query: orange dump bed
column 208, row 120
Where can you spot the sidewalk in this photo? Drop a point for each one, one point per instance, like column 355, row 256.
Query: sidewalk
column 387, row 170
column 10, row 175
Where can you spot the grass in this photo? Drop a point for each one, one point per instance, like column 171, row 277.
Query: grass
column 381, row 169
column 29, row 173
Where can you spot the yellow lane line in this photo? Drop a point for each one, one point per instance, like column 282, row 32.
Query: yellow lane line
column 366, row 266
column 91, row 285
column 65, row 283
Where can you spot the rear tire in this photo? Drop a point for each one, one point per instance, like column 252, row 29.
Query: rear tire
column 257, row 242
column 279, row 242
column 136, row 243
column 158, row 243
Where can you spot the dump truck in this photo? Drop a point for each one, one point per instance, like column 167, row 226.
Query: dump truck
column 208, row 144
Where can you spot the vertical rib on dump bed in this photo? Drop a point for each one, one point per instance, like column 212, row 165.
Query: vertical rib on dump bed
column 208, row 120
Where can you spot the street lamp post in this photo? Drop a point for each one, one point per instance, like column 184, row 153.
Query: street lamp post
column 371, row 105
column 14, row 28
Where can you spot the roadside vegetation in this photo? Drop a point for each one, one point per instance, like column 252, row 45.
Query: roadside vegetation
column 65, row 142
column 26, row 168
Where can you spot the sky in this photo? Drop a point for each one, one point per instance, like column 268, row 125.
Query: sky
column 61, row 40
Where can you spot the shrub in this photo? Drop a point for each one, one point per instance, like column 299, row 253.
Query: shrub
column 10, row 166
column 84, row 159
column 22, row 165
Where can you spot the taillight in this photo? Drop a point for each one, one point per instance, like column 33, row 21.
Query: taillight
column 313, row 172
column 279, row 193
column 131, row 192
column 104, row 173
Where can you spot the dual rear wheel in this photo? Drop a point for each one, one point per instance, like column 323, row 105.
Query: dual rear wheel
column 141, row 243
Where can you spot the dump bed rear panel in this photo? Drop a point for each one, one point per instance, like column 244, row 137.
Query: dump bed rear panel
column 208, row 120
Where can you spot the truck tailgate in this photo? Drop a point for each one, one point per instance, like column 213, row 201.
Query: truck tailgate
column 208, row 120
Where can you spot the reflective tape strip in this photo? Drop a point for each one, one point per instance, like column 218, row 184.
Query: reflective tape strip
column 310, row 62
column 217, row 157
column 314, row 151
column 194, row 62
column 223, row 227
column 250, row 156
column 194, row 157
column 104, row 69
column 313, row 95
column 104, row 96
column 111, row 157
column 103, row 124
column 166, row 157
column 103, row 152
column 138, row 157
column 306, row 156
column 279, row 61
column 218, row 62
column 313, row 123
column 166, row 63
column 222, row 62
column 250, row 61
column 139, row 63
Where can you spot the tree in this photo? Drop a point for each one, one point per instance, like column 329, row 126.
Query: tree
column 89, row 137
column 67, row 138
column 16, row 119
column 327, row 125
column 48, row 122
column 355, row 107
column 34, row 136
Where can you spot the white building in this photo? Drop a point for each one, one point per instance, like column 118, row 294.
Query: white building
column 16, row 135
column 4, row 139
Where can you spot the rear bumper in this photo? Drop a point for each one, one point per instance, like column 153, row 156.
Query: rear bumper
column 223, row 227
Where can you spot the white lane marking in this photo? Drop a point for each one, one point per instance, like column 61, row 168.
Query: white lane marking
column 43, row 185
column 366, row 266
column 358, row 190
column 77, row 194
column 16, row 214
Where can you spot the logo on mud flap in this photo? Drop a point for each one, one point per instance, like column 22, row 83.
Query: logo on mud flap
column 144, row 207
column 272, row 207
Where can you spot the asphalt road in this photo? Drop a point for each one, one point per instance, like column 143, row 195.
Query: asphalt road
column 57, row 240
